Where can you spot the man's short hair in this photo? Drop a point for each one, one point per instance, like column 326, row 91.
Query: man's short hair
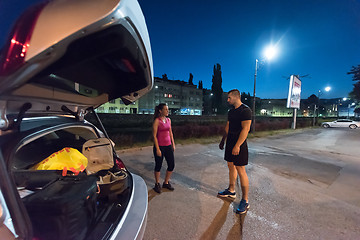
column 235, row 92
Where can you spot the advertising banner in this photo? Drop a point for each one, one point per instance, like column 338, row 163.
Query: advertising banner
column 293, row 100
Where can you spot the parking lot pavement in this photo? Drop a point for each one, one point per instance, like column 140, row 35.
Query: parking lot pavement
column 192, row 211
column 289, row 192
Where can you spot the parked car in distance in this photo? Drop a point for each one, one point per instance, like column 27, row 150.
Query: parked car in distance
column 62, row 59
column 341, row 123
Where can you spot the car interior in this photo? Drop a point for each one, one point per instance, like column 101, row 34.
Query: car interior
column 42, row 190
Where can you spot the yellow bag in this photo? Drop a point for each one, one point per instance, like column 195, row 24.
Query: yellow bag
column 65, row 159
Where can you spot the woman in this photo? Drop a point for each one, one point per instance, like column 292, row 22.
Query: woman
column 164, row 146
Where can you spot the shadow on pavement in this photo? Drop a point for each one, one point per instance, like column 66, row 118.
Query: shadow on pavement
column 151, row 194
column 237, row 229
column 219, row 220
column 213, row 230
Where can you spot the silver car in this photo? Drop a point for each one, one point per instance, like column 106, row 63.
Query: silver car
column 61, row 60
column 341, row 123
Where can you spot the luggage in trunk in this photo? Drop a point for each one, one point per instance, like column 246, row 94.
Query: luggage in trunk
column 100, row 155
column 64, row 209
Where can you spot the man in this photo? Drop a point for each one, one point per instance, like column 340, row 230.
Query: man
column 236, row 150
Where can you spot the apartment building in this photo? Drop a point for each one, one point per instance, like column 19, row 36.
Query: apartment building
column 118, row 106
column 181, row 97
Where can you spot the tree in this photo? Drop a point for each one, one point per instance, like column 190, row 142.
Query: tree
column 216, row 89
column 200, row 86
column 165, row 77
column 246, row 98
column 310, row 103
column 313, row 99
column 191, row 79
column 355, row 93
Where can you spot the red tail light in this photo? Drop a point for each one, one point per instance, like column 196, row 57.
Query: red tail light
column 120, row 163
column 16, row 48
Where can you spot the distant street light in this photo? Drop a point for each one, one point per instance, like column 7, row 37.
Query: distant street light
column 269, row 53
column 327, row 89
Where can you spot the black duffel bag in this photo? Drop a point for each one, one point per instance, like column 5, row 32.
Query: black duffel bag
column 64, row 209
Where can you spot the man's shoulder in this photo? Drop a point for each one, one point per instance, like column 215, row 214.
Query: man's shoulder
column 244, row 106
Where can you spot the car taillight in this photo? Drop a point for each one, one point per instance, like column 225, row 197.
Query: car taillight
column 120, row 163
column 17, row 45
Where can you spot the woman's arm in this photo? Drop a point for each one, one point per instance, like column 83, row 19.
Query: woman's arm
column 171, row 136
column 154, row 131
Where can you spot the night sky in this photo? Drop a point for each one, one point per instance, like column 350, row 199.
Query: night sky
column 316, row 37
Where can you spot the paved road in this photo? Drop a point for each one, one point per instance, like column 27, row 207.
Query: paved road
column 304, row 185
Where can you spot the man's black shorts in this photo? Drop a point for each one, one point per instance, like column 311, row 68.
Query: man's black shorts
column 238, row 160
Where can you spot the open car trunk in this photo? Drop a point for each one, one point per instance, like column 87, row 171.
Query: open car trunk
column 66, row 203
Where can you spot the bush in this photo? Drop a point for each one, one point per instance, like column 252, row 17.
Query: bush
column 130, row 129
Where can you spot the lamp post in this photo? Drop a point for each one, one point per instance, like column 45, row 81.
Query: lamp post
column 349, row 104
column 270, row 52
column 327, row 89
column 254, row 95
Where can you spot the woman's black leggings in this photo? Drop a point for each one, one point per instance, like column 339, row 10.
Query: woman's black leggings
column 168, row 153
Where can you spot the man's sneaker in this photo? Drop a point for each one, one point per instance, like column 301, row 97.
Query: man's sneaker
column 243, row 207
column 157, row 188
column 168, row 186
column 227, row 193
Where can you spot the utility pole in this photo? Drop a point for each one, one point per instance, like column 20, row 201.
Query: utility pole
column 254, row 96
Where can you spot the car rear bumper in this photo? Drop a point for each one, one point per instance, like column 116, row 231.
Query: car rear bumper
column 133, row 224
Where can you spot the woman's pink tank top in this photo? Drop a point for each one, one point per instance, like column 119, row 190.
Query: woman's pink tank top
column 163, row 134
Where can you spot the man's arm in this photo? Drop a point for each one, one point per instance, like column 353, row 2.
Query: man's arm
column 242, row 137
column 221, row 145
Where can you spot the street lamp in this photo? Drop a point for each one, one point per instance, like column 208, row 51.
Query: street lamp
column 349, row 106
column 269, row 53
column 327, row 89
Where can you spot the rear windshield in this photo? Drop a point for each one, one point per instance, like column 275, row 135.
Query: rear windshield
column 39, row 148
column 109, row 62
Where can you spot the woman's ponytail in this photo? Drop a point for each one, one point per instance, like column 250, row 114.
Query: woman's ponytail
column 158, row 108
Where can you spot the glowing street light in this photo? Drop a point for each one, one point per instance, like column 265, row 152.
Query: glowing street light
column 327, row 89
column 270, row 52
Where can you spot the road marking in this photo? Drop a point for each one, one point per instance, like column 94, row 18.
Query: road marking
column 268, row 151
column 264, row 220
column 275, row 153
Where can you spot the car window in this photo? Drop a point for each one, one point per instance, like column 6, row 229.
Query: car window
column 42, row 147
column 119, row 64
column 7, row 230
